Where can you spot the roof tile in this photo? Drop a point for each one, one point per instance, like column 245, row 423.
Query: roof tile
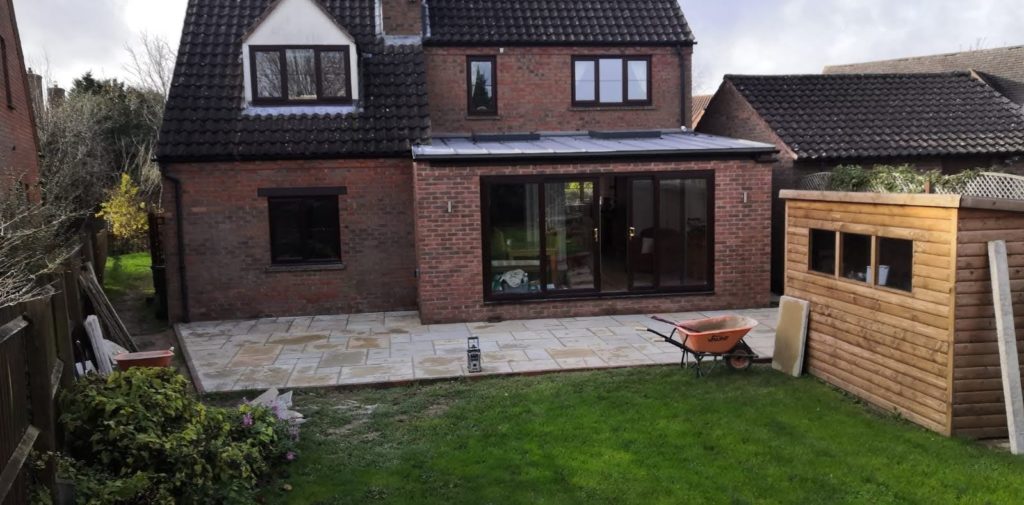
column 885, row 115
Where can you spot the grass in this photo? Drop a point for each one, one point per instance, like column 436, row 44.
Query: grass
column 127, row 275
column 651, row 435
column 128, row 282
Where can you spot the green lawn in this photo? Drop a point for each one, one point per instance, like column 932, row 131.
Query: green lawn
column 651, row 435
column 128, row 274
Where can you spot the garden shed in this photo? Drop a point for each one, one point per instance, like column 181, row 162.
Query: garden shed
column 901, row 300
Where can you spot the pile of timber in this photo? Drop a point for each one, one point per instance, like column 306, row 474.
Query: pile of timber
column 116, row 330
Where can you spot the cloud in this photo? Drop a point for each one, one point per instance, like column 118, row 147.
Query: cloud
column 802, row 36
column 66, row 38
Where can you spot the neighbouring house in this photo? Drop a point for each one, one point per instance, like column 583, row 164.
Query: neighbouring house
column 19, row 143
column 700, row 104
column 471, row 160
column 1001, row 67
column 945, row 121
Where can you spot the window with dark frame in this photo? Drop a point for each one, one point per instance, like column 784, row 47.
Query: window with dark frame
column 7, row 73
column 482, row 85
column 304, row 228
column 822, row 251
column 611, row 81
column 287, row 75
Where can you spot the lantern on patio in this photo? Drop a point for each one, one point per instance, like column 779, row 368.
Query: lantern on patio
column 473, row 355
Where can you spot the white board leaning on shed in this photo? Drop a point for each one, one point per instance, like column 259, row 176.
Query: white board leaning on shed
column 1006, row 334
column 791, row 336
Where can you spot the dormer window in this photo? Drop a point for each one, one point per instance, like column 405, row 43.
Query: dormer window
column 301, row 75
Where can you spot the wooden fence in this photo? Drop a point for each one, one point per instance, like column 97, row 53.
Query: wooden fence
column 36, row 362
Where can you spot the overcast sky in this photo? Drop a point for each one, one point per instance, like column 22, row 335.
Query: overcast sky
column 69, row 37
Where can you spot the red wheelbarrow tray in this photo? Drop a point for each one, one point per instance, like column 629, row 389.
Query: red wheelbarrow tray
column 714, row 335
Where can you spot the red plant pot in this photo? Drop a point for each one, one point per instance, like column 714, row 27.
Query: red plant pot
column 149, row 359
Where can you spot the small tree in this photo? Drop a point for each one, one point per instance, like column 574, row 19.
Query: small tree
column 125, row 210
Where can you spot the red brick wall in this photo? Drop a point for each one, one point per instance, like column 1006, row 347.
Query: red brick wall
column 228, row 244
column 450, row 256
column 535, row 91
column 402, row 17
column 18, row 146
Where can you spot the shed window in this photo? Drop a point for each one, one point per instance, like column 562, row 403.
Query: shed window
column 856, row 256
column 304, row 229
column 482, row 84
column 896, row 263
column 823, row 251
column 611, row 81
column 300, row 74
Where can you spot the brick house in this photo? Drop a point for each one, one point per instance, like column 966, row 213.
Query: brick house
column 19, row 144
column 469, row 160
column 947, row 121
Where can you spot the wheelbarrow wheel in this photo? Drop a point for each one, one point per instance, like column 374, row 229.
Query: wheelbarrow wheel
column 739, row 361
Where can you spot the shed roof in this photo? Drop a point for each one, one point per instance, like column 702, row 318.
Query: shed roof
column 583, row 144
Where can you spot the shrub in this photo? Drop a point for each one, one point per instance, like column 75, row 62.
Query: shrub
column 125, row 210
column 140, row 436
column 897, row 179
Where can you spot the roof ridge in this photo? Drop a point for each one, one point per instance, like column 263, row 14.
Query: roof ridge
column 925, row 56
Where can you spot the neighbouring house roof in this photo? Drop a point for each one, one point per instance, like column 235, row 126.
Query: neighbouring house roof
column 700, row 104
column 206, row 118
column 587, row 144
column 885, row 115
column 1002, row 67
column 561, row 22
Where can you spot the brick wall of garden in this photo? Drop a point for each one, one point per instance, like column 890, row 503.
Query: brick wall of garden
column 450, row 258
column 227, row 240
column 535, row 91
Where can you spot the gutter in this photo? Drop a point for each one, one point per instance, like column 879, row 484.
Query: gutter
column 179, row 222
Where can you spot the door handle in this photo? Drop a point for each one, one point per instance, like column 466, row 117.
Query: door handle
column 632, row 232
column 596, row 236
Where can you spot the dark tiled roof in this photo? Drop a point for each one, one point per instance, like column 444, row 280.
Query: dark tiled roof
column 204, row 118
column 1002, row 67
column 885, row 115
column 607, row 22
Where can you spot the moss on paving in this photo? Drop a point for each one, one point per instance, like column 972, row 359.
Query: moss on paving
column 651, row 435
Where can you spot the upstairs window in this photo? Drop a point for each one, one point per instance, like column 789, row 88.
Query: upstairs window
column 482, row 91
column 600, row 81
column 300, row 74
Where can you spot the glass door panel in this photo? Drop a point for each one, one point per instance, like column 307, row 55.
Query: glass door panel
column 515, row 255
column 642, row 234
column 683, row 233
column 571, row 233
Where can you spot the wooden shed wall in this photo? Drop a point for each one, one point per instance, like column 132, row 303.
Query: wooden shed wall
column 978, row 409
column 888, row 347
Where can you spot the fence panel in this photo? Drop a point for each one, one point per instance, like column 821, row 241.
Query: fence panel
column 15, row 433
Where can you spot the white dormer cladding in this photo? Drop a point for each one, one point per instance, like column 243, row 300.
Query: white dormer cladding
column 299, row 23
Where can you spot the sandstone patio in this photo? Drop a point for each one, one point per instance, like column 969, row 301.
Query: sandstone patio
column 389, row 347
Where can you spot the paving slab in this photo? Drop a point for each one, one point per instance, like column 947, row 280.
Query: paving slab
column 382, row 347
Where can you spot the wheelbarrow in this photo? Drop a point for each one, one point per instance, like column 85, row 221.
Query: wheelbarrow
column 718, row 338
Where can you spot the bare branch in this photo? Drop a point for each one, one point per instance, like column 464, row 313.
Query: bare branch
column 152, row 63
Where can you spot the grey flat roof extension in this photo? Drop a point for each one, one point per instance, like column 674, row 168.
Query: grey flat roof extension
column 587, row 145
